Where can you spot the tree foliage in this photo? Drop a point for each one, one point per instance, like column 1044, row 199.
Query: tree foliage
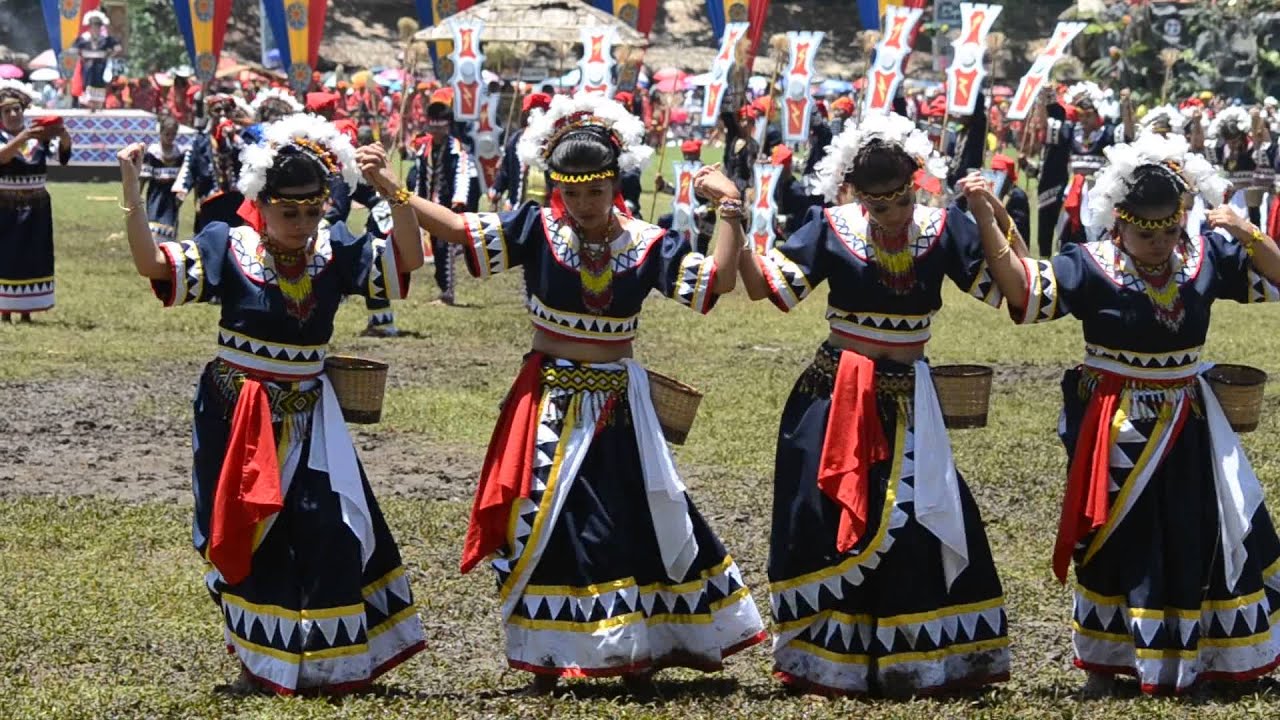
column 154, row 40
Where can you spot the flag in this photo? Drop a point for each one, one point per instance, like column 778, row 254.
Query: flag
column 723, row 12
column 64, row 21
column 432, row 13
column 203, row 24
column 298, row 26
column 639, row 14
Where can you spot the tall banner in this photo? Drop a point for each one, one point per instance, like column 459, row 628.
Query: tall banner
column 764, row 211
column 298, row 26
column 721, row 70
column 203, row 24
column 724, row 13
column 684, row 204
column 432, row 13
column 886, row 73
column 596, row 66
column 63, row 21
column 639, row 14
column 797, row 100
column 1038, row 76
column 467, row 60
column 488, row 140
column 969, row 68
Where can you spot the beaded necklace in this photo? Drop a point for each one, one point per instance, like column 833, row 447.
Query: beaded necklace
column 893, row 258
column 1163, row 291
column 292, row 277
column 595, row 270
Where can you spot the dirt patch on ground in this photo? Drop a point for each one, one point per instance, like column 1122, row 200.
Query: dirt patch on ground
column 131, row 440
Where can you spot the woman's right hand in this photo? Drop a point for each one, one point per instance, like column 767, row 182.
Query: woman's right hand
column 713, row 185
column 977, row 191
column 131, row 165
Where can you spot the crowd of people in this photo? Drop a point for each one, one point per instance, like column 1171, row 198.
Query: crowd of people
column 881, row 577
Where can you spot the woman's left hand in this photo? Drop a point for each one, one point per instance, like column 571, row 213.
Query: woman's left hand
column 1226, row 218
column 712, row 184
column 372, row 160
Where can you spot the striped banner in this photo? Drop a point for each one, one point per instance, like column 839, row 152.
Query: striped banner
column 639, row 14
column 203, row 24
column 298, row 26
column 64, row 21
column 432, row 13
column 723, row 12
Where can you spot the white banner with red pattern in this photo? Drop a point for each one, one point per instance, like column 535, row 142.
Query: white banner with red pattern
column 797, row 100
column 684, row 203
column 721, row 70
column 1037, row 78
column 886, row 74
column 596, row 66
column 968, row 67
column 468, row 63
column 764, row 209
column 488, row 140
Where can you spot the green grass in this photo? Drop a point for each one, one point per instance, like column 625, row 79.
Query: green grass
column 102, row 611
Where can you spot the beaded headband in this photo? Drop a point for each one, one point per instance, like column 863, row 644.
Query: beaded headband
column 1163, row 223
column 318, row 198
column 571, row 178
column 619, row 129
column 889, row 196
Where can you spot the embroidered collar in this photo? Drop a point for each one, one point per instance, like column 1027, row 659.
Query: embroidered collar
column 629, row 249
column 1120, row 268
column 256, row 264
column 850, row 224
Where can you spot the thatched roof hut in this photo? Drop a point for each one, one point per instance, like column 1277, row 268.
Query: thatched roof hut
column 534, row 21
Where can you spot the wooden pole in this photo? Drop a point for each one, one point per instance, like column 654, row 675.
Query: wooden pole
column 662, row 159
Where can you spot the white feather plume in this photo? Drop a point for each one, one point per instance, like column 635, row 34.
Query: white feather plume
column 1087, row 89
column 19, row 88
column 891, row 128
column 629, row 130
column 275, row 95
column 1232, row 117
column 256, row 160
column 1112, row 183
column 1172, row 115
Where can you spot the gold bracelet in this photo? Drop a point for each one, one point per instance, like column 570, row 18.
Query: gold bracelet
column 128, row 210
column 1250, row 243
column 1000, row 255
column 1009, row 234
column 399, row 197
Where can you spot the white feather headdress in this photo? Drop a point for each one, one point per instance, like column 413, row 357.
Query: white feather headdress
column 20, row 90
column 311, row 133
column 1113, row 181
column 275, row 95
column 97, row 15
column 1087, row 89
column 584, row 110
column 892, row 129
column 1232, row 118
column 1170, row 114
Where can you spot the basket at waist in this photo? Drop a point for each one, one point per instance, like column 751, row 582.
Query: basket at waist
column 284, row 397
column 894, row 380
column 1181, row 365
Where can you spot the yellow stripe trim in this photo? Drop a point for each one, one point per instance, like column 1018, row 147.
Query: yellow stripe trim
column 26, row 281
column 391, row 622
column 923, row 617
column 842, row 618
column 283, row 612
column 382, row 582
column 890, row 501
column 1118, row 601
column 691, row 585
column 949, row 651
column 579, row 627
column 825, row 654
column 584, row 591
column 733, row 598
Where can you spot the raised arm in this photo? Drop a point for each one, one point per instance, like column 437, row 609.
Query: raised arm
column 438, row 220
column 1263, row 253
column 147, row 258
column 404, row 221
column 712, row 184
column 998, row 238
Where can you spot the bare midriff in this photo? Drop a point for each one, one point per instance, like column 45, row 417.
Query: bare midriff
column 559, row 347
column 905, row 354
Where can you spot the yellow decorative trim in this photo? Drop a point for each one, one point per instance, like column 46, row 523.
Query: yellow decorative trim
column 946, row 652
column 923, row 617
column 568, row 178
column 890, row 501
column 733, row 598
column 691, row 585
column 872, row 197
column 1161, row 224
column 336, row 652
column 391, row 622
column 825, row 654
column 585, row 591
column 578, row 627
column 283, row 612
column 678, row 619
column 306, row 202
column 382, row 582
column 264, row 650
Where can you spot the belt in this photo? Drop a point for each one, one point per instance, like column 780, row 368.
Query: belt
column 285, row 398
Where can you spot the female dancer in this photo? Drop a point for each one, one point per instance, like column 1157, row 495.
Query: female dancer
column 26, row 215
column 160, row 166
column 605, row 566
column 302, row 565
column 1177, row 562
column 879, row 569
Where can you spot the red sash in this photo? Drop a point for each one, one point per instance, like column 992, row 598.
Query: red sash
column 1075, row 198
column 508, row 466
column 854, row 442
column 1085, row 506
column 248, row 489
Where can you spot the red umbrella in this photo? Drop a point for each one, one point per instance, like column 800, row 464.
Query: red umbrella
column 11, row 72
column 1002, row 91
column 671, row 83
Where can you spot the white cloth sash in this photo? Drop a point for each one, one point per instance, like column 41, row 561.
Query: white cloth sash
column 333, row 453
column 666, row 491
column 937, row 486
column 1238, row 492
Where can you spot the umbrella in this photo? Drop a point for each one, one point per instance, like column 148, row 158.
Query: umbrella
column 489, row 76
column 11, row 72
column 1002, row 91
column 45, row 59
column 835, row 87
column 360, row 79
column 671, row 83
column 44, row 75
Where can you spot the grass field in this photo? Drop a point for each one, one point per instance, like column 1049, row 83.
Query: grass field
column 102, row 610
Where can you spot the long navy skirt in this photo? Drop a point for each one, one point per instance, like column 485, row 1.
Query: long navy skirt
column 880, row 617
column 308, row 618
column 26, row 251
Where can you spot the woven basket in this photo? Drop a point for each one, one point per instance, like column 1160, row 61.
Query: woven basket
column 1239, row 390
column 964, row 392
column 676, row 405
column 360, row 384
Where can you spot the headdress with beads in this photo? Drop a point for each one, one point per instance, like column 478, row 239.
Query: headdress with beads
column 12, row 91
column 1087, row 90
column 891, row 129
column 624, row 131
column 308, row 134
column 1114, row 182
column 275, row 96
column 237, row 104
column 1167, row 115
column 1231, row 122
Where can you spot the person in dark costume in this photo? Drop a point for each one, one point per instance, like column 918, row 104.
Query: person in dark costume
column 95, row 48
column 302, row 566
column 578, row 446
column 880, row 573
column 26, row 213
column 1177, row 563
column 161, row 164
column 212, row 164
column 442, row 172
column 511, row 186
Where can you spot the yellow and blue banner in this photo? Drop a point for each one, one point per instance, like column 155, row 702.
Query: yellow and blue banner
column 434, row 12
column 639, row 14
column 64, row 20
column 723, row 12
column 298, row 26
column 203, row 24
